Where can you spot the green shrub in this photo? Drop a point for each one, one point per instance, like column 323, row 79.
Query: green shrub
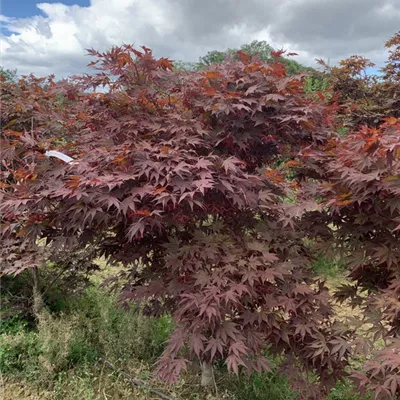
column 63, row 343
column 12, row 325
column 19, row 352
column 15, row 299
column 120, row 334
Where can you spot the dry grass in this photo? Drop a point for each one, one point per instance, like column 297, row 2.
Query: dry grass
column 105, row 387
column 344, row 312
column 100, row 384
column 20, row 390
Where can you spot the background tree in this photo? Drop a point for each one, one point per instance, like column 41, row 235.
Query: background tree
column 8, row 75
column 256, row 48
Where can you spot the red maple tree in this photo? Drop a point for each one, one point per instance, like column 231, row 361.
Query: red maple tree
column 176, row 177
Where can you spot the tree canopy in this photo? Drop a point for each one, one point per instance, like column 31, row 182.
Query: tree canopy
column 7, row 75
column 256, row 48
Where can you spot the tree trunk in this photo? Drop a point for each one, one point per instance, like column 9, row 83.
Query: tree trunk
column 37, row 296
column 207, row 375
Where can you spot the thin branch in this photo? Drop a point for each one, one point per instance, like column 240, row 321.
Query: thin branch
column 135, row 382
column 215, row 383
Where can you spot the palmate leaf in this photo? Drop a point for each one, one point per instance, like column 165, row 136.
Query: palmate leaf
column 232, row 362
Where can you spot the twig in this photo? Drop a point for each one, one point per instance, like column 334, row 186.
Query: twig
column 215, row 383
column 15, row 296
column 135, row 382
column 101, row 375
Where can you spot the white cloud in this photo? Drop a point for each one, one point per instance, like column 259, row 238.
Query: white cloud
column 186, row 29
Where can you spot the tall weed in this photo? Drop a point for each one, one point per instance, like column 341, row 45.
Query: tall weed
column 92, row 327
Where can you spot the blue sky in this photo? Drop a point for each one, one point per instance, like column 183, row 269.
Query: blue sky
column 27, row 8
column 52, row 37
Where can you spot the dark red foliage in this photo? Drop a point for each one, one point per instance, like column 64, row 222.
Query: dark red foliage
column 368, row 222
column 356, row 179
column 381, row 374
column 174, row 177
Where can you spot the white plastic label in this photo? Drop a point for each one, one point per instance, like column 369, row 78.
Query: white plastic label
column 57, row 154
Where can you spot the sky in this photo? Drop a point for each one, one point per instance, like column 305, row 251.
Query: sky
column 52, row 37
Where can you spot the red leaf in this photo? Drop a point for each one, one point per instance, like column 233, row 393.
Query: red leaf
column 277, row 53
column 244, row 57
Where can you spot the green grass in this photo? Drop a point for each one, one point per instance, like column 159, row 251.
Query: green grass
column 344, row 391
column 266, row 386
column 272, row 386
column 328, row 268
